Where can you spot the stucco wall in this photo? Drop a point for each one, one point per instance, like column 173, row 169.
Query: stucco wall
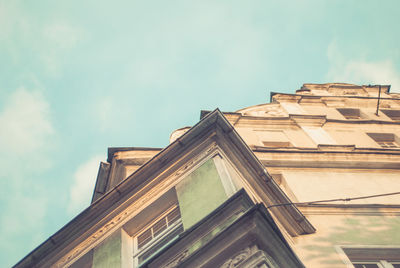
column 327, row 184
column 116, row 251
column 200, row 193
column 108, row 253
column 319, row 250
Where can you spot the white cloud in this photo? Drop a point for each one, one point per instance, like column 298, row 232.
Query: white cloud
column 27, row 211
column 25, row 134
column 359, row 71
column 104, row 112
column 25, row 122
column 28, row 39
column 59, row 38
column 61, row 35
column 22, row 223
column 222, row 44
column 8, row 19
column 363, row 72
column 83, row 185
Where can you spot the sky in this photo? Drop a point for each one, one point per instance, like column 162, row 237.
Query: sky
column 77, row 77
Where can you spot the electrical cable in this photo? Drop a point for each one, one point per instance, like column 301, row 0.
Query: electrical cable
column 333, row 200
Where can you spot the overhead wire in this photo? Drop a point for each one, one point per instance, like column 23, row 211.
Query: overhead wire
column 332, row 200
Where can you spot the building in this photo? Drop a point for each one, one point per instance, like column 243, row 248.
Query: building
column 311, row 179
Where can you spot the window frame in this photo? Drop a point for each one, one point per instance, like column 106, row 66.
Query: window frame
column 378, row 263
column 347, row 113
column 136, row 252
column 369, row 250
column 385, row 140
column 393, row 114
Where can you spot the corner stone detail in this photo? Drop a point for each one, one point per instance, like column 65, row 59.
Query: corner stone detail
column 250, row 258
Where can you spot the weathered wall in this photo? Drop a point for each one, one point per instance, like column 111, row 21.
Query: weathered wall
column 318, row 250
column 108, row 253
column 200, row 193
column 332, row 184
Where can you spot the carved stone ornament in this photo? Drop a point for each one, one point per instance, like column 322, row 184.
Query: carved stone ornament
column 250, row 257
column 177, row 260
column 267, row 110
column 237, row 259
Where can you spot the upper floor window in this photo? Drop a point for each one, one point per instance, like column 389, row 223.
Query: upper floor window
column 361, row 257
column 376, row 264
column 385, row 140
column 393, row 114
column 350, row 113
column 156, row 235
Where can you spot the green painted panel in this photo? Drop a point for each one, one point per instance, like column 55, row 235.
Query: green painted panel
column 108, row 253
column 200, row 193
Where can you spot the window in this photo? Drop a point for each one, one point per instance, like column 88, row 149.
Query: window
column 377, row 264
column 370, row 257
column 387, row 144
column 156, row 235
column 350, row 113
column 385, row 140
column 393, row 114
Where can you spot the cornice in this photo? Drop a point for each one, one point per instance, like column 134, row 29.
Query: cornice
column 299, row 96
column 351, row 209
column 312, row 158
column 362, row 121
column 300, row 120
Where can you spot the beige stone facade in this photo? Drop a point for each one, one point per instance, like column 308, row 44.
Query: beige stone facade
column 328, row 142
column 311, row 179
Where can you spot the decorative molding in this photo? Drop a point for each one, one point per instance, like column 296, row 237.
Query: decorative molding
column 250, row 257
column 348, row 209
column 203, row 239
column 237, row 259
column 178, row 259
column 196, row 161
column 265, row 111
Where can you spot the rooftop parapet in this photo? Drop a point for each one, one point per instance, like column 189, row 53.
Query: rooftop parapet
column 343, row 89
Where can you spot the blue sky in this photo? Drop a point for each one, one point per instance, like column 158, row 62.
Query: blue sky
column 77, row 77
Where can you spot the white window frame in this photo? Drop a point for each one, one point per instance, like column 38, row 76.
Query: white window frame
column 340, row 249
column 380, row 263
column 136, row 252
column 385, row 140
column 224, row 175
